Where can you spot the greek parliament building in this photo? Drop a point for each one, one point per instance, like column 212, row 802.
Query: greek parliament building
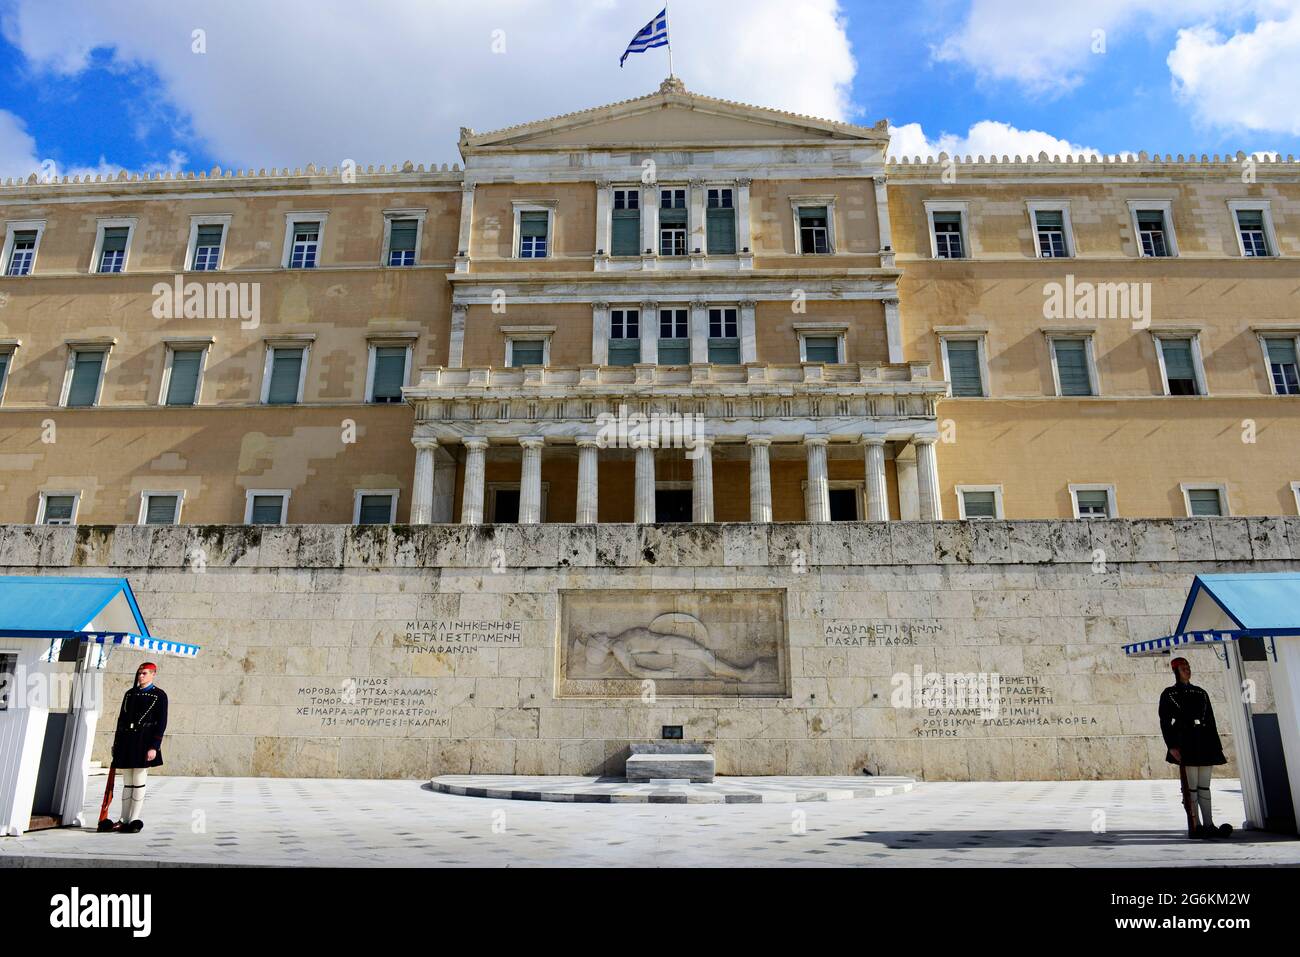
column 895, row 389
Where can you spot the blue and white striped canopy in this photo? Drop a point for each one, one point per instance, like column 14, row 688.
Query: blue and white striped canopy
column 1159, row 646
column 1260, row 604
column 158, row 646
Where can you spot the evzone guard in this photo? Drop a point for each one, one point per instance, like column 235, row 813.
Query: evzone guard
column 137, row 747
column 1187, row 723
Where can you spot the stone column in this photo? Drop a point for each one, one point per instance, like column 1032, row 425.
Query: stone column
column 877, row 497
column 699, row 330
column 760, row 479
column 819, row 493
column 604, row 210
column 649, row 329
column 456, row 348
column 466, row 227
column 645, row 484
column 882, row 214
column 702, row 480
column 471, row 510
column 695, row 223
column 649, row 225
column 530, row 480
column 744, row 247
column 927, row 477
column 422, row 485
column 588, row 479
column 600, row 333
column 748, row 333
column 894, row 330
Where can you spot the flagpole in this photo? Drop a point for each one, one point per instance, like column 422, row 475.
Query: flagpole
column 668, row 37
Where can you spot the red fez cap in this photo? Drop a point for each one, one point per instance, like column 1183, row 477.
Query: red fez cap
column 1179, row 661
column 148, row 666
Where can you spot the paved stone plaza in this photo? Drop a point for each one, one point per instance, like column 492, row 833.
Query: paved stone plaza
column 354, row 823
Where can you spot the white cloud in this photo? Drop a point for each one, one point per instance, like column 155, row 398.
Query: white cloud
column 1245, row 81
column 1046, row 48
column 985, row 138
column 17, row 147
column 300, row 81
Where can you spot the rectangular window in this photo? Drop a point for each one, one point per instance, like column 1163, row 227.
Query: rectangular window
column 1204, row 502
column 22, row 254
column 1151, row 233
column 979, row 504
column 1180, row 367
column 724, row 341
column 5, row 359
column 624, row 337
column 720, row 222
column 1282, row 366
column 947, row 235
column 1092, row 503
column 267, row 508
column 533, row 226
column 306, row 245
column 526, row 352
column 964, row 372
column 625, row 236
column 207, row 247
column 87, row 368
column 58, row 509
column 814, row 230
column 161, row 509
column 375, row 508
column 844, row 504
column 674, row 337
column 286, row 375
column 402, row 235
column 183, row 380
column 505, row 505
column 672, row 222
column 821, row 348
column 389, row 373
column 1050, row 224
column 1254, row 240
column 8, row 668
column 1072, row 371
column 112, row 253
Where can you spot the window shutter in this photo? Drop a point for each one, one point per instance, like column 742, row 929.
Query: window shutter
column 964, row 367
column 526, row 352
column 1049, row 219
column 286, row 366
column 1093, row 500
column 182, row 387
column 812, row 215
column 58, row 509
column 1072, row 366
column 1250, row 218
column 86, row 369
column 1205, row 501
column 947, row 219
column 626, row 238
column 724, row 351
column 160, row 510
column 1280, row 352
column 822, row 348
column 672, row 217
column 208, row 236
column 624, row 352
column 375, row 510
column 980, row 504
column 4, row 367
column 533, row 224
column 402, row 235
column 267, row 509
column 1178, row 358
column 115, row 239
column 390, row 373
column 674, row 352
column 721, row 231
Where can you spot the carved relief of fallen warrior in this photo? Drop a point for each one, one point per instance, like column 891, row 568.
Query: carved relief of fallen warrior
column 641, row 651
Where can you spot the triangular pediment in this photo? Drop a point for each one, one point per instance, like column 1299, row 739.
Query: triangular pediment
column 670, row 118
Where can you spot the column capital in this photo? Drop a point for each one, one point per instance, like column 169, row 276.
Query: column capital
column 588, row 442
column 604, row 183
column 763, row 440
column 424, row 443
column 890, row 301
column 467, row 187
column 532, row 441
column 743, row 181
column 698, row 304
column 816, row 438
column 705, row 441
column 600, row 304
column 461, row 307
column 475, row 443
column 925, row 439
column 640, row 442
column 696, row 183
column 747, row 303
column 649, row 305
column 873, row 440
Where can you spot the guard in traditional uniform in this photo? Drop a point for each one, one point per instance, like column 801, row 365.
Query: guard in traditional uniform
column 1187, row 723
column 137, row 745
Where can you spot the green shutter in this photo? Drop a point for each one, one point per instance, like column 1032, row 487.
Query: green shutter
column 812, row 215
column 58, row 509
column 532, row 223
column 182, row 386
column 624, row 352
column 86, row 369
column 1097, row 499
column 980, row 504
column 1072, row 366
column 375, row 510
column 721, row 231
column 390, row 373
column 1205, row 501
column 115, row 239
column 1178, row 358
column 1280, row 352
column 674, row 352
column 626, row 239
column 672, row 217
column 964, row 367
column 160, row 510
column 4, row 369
column 208, row 236
column 1250, row 218
column 822, row 349
column 724, row 352
column 526, row 352
column 1049, row 218
column 286, row 367
column 402, row 235
column 947, row 219
column 267, row 509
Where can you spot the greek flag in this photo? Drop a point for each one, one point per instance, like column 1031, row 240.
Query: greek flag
column 653, row 34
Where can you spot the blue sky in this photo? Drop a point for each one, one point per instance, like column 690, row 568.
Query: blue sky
column 166, row 84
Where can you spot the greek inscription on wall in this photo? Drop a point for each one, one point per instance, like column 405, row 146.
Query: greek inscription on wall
column 876, row 633
column 439, row 637
column 361, row 704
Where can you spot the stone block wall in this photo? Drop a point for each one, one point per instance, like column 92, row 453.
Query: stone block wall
column 406, row 651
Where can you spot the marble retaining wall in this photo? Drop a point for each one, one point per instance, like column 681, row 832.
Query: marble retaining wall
column 405, row 651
